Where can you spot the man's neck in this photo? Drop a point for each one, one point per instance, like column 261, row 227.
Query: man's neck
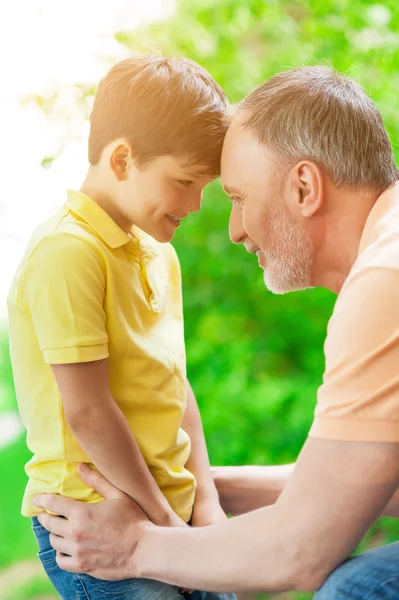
column 348, row 212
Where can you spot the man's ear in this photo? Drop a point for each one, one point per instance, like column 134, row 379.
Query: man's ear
column 121, row 159
column 308, row 183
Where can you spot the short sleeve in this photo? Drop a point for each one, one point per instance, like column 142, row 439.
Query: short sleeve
column 359, row 397
column 62, row 290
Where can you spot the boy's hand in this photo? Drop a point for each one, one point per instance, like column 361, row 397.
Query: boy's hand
column 207, row 511
column 171, row 520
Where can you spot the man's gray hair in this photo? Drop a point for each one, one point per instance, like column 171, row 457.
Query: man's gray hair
column 318, row 114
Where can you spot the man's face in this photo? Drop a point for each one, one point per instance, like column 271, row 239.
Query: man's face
column 263, row 217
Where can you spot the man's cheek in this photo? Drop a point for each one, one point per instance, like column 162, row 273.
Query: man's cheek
column 252, row 227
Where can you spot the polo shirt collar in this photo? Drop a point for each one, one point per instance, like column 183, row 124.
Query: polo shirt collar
column 88, row 210
column 384, row 203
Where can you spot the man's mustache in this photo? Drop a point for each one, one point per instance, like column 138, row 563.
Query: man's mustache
column 250, row 246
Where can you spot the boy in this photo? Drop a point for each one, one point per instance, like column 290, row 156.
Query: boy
column 95, row 312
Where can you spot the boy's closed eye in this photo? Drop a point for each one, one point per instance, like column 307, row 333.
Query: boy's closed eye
column 184, row 182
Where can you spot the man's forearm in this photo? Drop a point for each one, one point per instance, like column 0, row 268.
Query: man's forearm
column 392, row 508
column 332, row 494
column 225, row 557
column 247, row 488
column 108, row 441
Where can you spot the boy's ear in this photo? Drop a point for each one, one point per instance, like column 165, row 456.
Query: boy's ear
column 120, row 160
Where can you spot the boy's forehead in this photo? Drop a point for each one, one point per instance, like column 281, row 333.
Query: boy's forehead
column 184, row 164
column 189, row 165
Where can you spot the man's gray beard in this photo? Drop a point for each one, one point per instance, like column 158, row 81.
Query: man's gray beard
column 289, row 263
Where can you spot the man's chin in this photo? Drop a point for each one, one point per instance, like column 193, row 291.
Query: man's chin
column 279, row 287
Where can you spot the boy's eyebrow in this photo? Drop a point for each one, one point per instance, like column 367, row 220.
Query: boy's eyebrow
column 196, row 174
column 188, row 174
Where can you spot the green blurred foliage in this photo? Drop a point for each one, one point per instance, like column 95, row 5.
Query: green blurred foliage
column 255, row 360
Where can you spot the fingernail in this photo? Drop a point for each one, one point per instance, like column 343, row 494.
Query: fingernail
column 85, row 468
column 36, row 501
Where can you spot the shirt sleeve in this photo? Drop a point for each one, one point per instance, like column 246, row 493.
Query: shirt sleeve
column 62, row 290
column 359, row 397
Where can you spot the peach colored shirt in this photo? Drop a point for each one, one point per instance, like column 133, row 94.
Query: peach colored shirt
column 359, row 397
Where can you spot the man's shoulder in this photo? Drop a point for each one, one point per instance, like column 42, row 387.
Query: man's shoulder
column 375, row 272
column 371, row 288
column 380, row 238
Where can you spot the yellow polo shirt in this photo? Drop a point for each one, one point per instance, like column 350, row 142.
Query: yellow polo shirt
column 86, row 291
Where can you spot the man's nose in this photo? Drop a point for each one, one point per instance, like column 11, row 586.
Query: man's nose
column 236, row 226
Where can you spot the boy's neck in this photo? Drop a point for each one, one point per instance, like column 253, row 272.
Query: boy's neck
column 97, row 189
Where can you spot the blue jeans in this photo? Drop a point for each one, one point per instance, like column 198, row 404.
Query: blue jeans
column 72, row 586
column 373, row 575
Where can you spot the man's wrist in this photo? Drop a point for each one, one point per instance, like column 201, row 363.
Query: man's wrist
column 139, row 565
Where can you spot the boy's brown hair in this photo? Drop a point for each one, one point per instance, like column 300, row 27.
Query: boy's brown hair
column 162, row 106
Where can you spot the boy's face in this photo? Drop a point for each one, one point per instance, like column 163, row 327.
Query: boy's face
column 158, row 195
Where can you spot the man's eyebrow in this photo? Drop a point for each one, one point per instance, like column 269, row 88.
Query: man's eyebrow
column 232, row 191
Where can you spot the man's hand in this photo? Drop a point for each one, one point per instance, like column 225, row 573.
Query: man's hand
column 98, row 539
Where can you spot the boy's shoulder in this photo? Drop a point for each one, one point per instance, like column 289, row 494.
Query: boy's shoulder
column 63, row 230
column 60, row 239
column 59, row 245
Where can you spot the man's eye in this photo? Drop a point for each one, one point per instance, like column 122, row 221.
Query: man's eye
column 185, row 182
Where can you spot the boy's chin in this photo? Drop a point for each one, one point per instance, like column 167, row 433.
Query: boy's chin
column 165, row 232
column 162, row 235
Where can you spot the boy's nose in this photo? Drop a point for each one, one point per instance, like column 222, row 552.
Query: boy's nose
column 195, row 203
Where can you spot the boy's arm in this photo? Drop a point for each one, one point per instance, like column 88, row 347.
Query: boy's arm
column 207, row 508
column 102, row 430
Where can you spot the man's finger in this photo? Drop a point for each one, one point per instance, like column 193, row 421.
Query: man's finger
column 62, row 545
column 54, row 524
column 59, row 505
column 67, row 563
column 98, row 482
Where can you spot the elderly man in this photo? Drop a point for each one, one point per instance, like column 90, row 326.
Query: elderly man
column 310, row 171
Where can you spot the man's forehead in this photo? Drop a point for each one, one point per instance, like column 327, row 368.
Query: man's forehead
column 236, row 125
column 239, row 136
column 241, row 150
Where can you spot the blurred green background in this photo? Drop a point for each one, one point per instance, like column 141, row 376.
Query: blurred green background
column 255, row 360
